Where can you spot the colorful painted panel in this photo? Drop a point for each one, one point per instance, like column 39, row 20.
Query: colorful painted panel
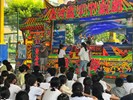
column 29, row 51
column 21, row 51
column 47, row 30
column 96, row 8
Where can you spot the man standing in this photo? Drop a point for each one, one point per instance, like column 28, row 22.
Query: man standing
column 43, row 56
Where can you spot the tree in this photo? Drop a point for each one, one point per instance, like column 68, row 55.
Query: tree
column 24, row 8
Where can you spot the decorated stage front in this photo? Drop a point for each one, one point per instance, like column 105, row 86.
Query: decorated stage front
column 114, row 58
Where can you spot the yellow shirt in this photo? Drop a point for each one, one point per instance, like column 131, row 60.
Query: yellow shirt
column 66, row 89
column 3, row 68
column 21, row 79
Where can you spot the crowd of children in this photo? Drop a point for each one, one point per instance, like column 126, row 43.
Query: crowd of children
column 65, row 85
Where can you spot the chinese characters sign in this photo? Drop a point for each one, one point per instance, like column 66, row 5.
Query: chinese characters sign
column 35, row 55
column 102, row 7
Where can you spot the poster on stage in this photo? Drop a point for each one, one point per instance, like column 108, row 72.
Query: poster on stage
column 35, row 55
column 21, row 51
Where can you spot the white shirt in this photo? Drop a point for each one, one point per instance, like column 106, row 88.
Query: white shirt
column 103, row 83
column 70, row 83
column 81, row 98
column 34, row 92
column 75, row 77
column 1, row 85
column 81, row 79
column 60, row 74
column 48, row 79
column 23, row 87
column 106, row 96
column 128, row 87
column 44, row 85
column 14, row 89
column 51, row 95
column 62, row 53
column 84, row 55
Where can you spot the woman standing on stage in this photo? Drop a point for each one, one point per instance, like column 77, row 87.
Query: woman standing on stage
column 61, row 56
column 84, row 57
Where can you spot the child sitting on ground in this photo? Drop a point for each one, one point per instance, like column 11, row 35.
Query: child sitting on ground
column 83, row 76
column 119, row 90
column 70, row 80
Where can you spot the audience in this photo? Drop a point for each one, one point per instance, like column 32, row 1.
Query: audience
column 71, row 69
column 53, row 92
column 106, row 86
column 9, row 68
column 63, row 96
column 62, row 71
column 42, row 83
column 98, row 91
column 77, row 90
column 83, row 76
column 87, row 85
column 36, row 72
column 129, row 84
column 1, row 81
column 22, row 95
column 52, row 72
column 21, row 79
column 70, row 80
column 5, row 63
column 119, row 90
column 4, row 93
column 26, row 80
column 129, row 96
column 63, row 87
column 4, row 74
column 10, row 82
column 32, row 88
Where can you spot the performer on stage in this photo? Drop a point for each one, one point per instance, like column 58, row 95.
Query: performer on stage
column 43, row 56
column 84, row 57
column 61, row 56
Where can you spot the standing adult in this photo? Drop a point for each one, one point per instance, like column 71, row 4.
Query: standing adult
column 43, row 56
column 61, row 56
column 84, row 57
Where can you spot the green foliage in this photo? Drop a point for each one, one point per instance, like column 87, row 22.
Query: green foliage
column 9, row 42
column 24, row 8
column 102, row 37
column 120, row 36
column 105, row 37
column 78, row 30
column 69, row 34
